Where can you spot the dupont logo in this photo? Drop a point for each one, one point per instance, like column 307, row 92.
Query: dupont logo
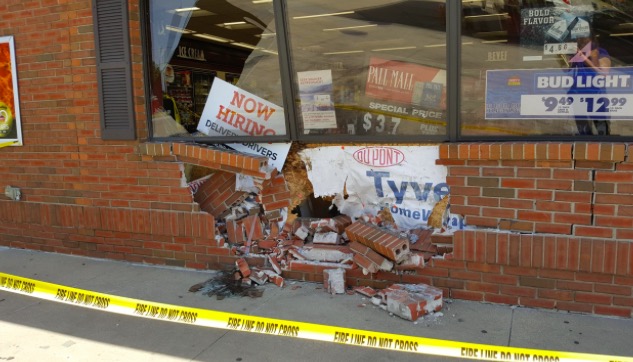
column 379, row 156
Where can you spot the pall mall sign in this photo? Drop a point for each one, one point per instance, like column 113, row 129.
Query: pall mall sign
column 379, row 156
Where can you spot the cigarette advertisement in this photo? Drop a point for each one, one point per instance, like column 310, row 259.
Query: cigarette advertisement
column 405, row 83
column 555, row 29
column 10, row 125
column 396, row 91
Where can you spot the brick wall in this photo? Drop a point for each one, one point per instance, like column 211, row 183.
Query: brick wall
column 80, row 194
column 580, row 189
column 155, row 229
column 553, row 225
column 63, row 159
column 128, row 200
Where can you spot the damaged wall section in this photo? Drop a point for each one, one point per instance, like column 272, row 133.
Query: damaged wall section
column 549, row 225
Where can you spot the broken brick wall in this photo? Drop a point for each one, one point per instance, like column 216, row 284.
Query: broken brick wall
column 152, row 218
column 554, row 225
column 127, row 200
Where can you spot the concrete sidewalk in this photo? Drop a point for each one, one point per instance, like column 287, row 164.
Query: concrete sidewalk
column 36, row 329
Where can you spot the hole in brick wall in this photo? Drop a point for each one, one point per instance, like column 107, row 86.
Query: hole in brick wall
column 316, row 207
column 195, row 172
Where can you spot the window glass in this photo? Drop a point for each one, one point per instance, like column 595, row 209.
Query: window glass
column 547, row 67
column 370, row 67
column 215, row 69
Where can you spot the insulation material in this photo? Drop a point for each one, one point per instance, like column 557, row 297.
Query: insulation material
column 296, row 176
column 367, row 180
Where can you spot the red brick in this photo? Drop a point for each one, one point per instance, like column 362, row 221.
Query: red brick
column 563, row 295
column 467, row 295
column 434, row 272
column 235, row 232
column 575, row 307
column 416, row 279
column 464, row 275
column 518, row 291
column 613, row 289
column 484, row 268
column 482, row 287
column 613, row 311
column 594, row 278
column 593, row 298
column 253, row 227
column 623, row 301
column 298, row 266
column 538, row 303
column 500, row 279
column 365, row 263
column 501, row 299
column 593, row 231
column 392, row 247
column 521, row 271
column 620, row 280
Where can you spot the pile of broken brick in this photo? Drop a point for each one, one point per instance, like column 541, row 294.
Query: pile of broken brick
column 251, row 222
column 337, row 245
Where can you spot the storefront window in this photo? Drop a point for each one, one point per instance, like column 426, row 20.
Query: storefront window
column 215, row 69
column 547, row 68
column 371, row 68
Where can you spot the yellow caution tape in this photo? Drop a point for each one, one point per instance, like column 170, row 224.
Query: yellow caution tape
column 279, row 327
column 5, row 144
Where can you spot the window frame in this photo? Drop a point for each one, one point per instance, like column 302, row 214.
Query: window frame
column 453, row 13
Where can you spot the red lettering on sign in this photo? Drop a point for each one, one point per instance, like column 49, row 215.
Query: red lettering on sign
column 379, row 156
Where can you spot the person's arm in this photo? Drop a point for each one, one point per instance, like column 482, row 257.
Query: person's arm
column 596, row 62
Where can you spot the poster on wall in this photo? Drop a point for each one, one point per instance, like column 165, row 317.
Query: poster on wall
column 554, row 29
column 365, row 180
column 559, row 94
column 317, row 107
column 396, row 91
column 231, row 111
column 10, row 124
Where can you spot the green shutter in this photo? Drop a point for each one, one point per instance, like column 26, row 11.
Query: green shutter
column 114, row 69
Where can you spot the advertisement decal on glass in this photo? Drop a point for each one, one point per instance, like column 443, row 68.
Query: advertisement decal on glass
column 559, row 93
column 10, row 124
column 554, row 29
column 317, row 107
column 231, row 111
column 397, row 91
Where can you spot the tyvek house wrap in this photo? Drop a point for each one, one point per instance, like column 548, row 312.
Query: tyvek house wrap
column 364, row 180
